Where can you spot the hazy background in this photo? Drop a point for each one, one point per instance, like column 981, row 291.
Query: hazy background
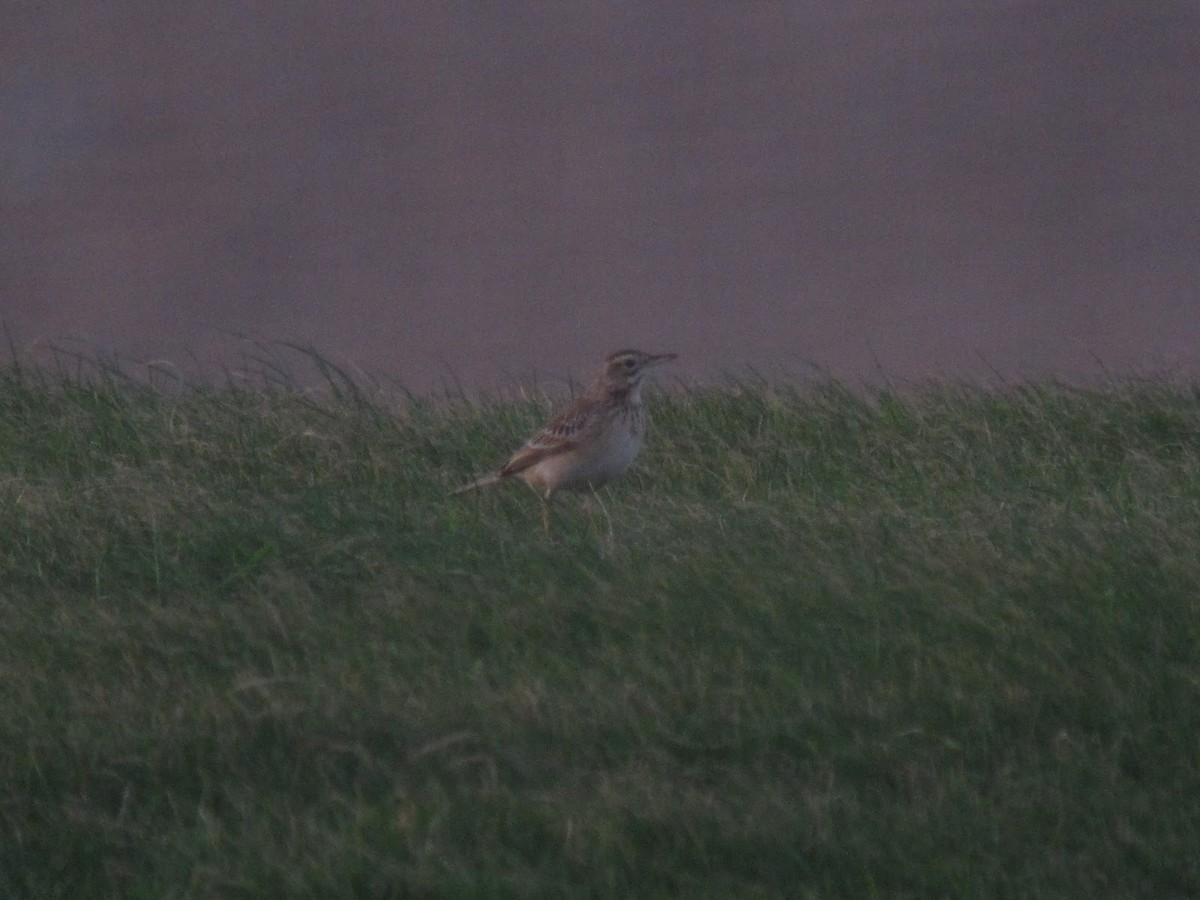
column 492, row 189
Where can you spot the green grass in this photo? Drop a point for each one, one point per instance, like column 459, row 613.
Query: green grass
column 934, row 643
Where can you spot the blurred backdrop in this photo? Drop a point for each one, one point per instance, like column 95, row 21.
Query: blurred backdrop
column 482, row 191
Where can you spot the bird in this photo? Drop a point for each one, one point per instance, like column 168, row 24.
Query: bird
column 589, row 443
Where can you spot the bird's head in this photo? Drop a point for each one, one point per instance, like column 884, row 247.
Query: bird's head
column 625, row 369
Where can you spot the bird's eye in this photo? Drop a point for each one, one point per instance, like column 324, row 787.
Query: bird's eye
column 629, row 363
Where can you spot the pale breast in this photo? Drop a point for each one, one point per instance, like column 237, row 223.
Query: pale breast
column 607, row 454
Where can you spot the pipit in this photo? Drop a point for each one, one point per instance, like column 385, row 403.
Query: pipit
column 592, row 441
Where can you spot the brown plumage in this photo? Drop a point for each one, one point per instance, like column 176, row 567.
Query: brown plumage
column 593, row 440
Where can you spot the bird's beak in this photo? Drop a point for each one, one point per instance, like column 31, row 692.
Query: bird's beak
column 661, row 358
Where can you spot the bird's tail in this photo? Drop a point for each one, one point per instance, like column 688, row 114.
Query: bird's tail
column 482, row 481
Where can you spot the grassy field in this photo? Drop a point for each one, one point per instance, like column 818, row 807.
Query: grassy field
column 819, row 643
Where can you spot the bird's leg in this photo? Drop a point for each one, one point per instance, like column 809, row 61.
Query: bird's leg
column 595, row 496
column 546, row 513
